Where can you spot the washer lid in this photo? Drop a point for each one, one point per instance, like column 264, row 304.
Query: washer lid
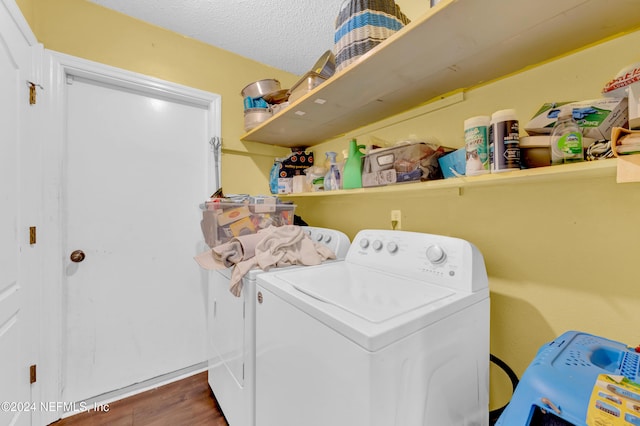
column 368, row 294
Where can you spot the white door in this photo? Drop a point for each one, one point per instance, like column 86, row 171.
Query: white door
column 17, row 334
column 135, row 163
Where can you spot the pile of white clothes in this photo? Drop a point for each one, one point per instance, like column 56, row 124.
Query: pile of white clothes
column 275, row 246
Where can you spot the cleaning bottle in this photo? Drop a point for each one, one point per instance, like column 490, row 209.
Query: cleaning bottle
column 566, row 138
column 332, row 178
column 352, row 177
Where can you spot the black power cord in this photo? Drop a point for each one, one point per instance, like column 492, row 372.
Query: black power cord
column 494, row 415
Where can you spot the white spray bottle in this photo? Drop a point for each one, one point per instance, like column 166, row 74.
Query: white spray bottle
column 332, row 178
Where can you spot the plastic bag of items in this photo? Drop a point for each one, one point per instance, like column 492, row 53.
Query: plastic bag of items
column 286, row 169
column 361, row 25
column 626, row 83
column 619, row 85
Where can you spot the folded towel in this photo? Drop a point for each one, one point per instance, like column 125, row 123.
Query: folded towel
column 230, row 253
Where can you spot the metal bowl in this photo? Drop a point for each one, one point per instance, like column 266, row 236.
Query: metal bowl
column 277, row 97
column 325, row 65
column 308, row 82
column 259, row 88
column 255, row 116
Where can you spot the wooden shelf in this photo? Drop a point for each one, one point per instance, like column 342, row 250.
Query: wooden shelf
column 587, row 169
column 455, row 45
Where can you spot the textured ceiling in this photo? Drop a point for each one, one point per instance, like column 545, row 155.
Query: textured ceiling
column 286, row 34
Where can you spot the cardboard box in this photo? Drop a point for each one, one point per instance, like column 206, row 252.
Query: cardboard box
column 597, row 117
column 285, row 185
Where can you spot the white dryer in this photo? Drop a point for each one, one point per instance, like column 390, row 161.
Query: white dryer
column 397, row 334
column 231, row 334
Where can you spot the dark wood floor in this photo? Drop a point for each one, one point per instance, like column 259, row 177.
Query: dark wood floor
column 185, row 402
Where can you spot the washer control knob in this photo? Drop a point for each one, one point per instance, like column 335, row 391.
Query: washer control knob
column 377, row 245
column 392, row 247
column 364, row 243
column 327, row 238
column 436, row 255
column 319, row 237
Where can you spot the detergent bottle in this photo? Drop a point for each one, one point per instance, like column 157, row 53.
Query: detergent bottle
column 332, row 178
column 566, row 138
column 353, row 167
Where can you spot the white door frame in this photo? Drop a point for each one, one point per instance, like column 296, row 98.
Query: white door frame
column 58, row 67
column 27, row 55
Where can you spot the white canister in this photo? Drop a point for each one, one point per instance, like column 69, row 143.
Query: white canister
column 504, row 141
column 476, row 142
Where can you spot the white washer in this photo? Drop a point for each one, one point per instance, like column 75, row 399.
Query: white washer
column 396, row 334
column 231, row 333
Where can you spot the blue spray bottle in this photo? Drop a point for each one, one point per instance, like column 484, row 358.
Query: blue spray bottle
column 332, row 178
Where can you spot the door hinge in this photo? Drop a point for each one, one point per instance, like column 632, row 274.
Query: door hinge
column 32, row 373
column 32, row 235
column 32, row 91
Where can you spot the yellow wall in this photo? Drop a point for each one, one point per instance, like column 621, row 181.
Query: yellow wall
column 561, row 254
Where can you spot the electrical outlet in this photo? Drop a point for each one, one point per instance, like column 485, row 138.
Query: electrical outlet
column 396, row 219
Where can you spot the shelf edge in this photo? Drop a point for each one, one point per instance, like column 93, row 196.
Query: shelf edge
column 566, row 171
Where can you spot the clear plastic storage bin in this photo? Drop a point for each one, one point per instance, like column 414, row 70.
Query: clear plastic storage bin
column 221, row 221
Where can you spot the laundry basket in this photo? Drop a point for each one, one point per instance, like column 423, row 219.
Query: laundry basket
column 361, row 25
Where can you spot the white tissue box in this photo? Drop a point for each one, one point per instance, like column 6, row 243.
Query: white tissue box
column 600, row 116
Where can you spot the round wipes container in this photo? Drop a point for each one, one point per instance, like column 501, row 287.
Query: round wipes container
column 476, row 141
column 504, row 141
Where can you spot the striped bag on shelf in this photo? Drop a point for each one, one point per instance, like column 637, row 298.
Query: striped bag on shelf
column 363, row 24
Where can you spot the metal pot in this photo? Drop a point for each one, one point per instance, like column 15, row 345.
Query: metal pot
column 260, row 88
column 254, row 116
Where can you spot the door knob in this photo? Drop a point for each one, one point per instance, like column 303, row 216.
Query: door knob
column 77, row 256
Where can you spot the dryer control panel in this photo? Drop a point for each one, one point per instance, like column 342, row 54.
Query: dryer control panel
column 336, row 240
column 438, row 259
